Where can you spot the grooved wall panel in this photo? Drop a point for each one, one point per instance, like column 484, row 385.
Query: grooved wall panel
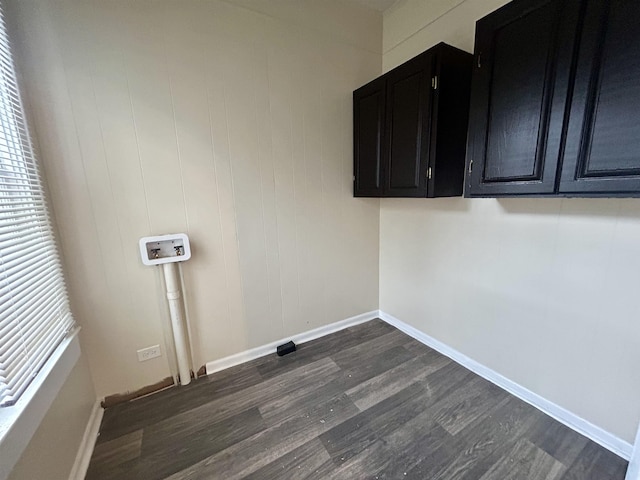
column 228, row 120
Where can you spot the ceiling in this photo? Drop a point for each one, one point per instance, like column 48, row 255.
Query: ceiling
column 380, row 5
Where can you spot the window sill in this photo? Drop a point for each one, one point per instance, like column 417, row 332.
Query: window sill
column 19, row 422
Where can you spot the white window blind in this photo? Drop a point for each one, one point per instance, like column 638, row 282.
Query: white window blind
column 34, row 310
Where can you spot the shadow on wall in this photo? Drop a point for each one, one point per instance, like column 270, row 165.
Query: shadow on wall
column 627, row 208
column 582, row 207
column 449, row 204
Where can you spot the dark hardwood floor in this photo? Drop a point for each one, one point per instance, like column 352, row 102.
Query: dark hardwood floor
column 368, row 402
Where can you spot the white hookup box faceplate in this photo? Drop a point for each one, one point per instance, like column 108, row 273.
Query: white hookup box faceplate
column 165, row 249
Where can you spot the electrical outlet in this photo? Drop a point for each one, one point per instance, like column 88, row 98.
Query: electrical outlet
column 148, row 353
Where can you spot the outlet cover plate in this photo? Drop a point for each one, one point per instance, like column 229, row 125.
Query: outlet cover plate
column 148, row 353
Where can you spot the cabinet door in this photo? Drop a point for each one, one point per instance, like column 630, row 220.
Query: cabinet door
column 368, row 137
column 449, row 121
column 602, row 151
column 407, row 125
column 519, row 88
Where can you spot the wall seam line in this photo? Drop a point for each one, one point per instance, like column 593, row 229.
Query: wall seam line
column 384, row 52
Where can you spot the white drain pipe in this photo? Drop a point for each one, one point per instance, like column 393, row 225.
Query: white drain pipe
column 180, row 336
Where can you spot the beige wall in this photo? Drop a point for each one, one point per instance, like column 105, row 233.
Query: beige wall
column 544, row 291
column 230, row 121
column 52, row 450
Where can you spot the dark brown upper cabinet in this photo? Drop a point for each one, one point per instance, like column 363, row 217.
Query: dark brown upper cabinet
column 521, row 80
column 555, row 100
column 410, row 127
column 602, row 154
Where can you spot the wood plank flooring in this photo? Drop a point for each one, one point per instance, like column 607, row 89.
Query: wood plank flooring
column 368, row 402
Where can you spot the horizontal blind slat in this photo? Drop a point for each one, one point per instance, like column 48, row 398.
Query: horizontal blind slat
column 53, row 334
column 33, row 342
column 27, row 347
column 24, row 286
column 16, row 253
column 34, row 243
column 27, row 310
column 10, row 226
column 28, row 236
column 29, row 324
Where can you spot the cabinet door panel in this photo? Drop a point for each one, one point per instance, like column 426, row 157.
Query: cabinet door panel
column 408, row 115
column 517, row 102
column 519, row 87
column 602, row 153
column 368, row 134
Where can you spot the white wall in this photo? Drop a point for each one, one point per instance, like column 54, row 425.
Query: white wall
column 52, row 450
column 544, row 291
column 229, row 120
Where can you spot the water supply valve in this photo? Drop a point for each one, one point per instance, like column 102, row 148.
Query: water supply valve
column 165, row 249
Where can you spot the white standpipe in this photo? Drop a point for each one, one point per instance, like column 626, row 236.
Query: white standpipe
column 174, row 297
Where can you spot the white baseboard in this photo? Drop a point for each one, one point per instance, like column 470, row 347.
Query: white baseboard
column 252, row 354
column 80, row 466
column 633, row 472
column 607, row 440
